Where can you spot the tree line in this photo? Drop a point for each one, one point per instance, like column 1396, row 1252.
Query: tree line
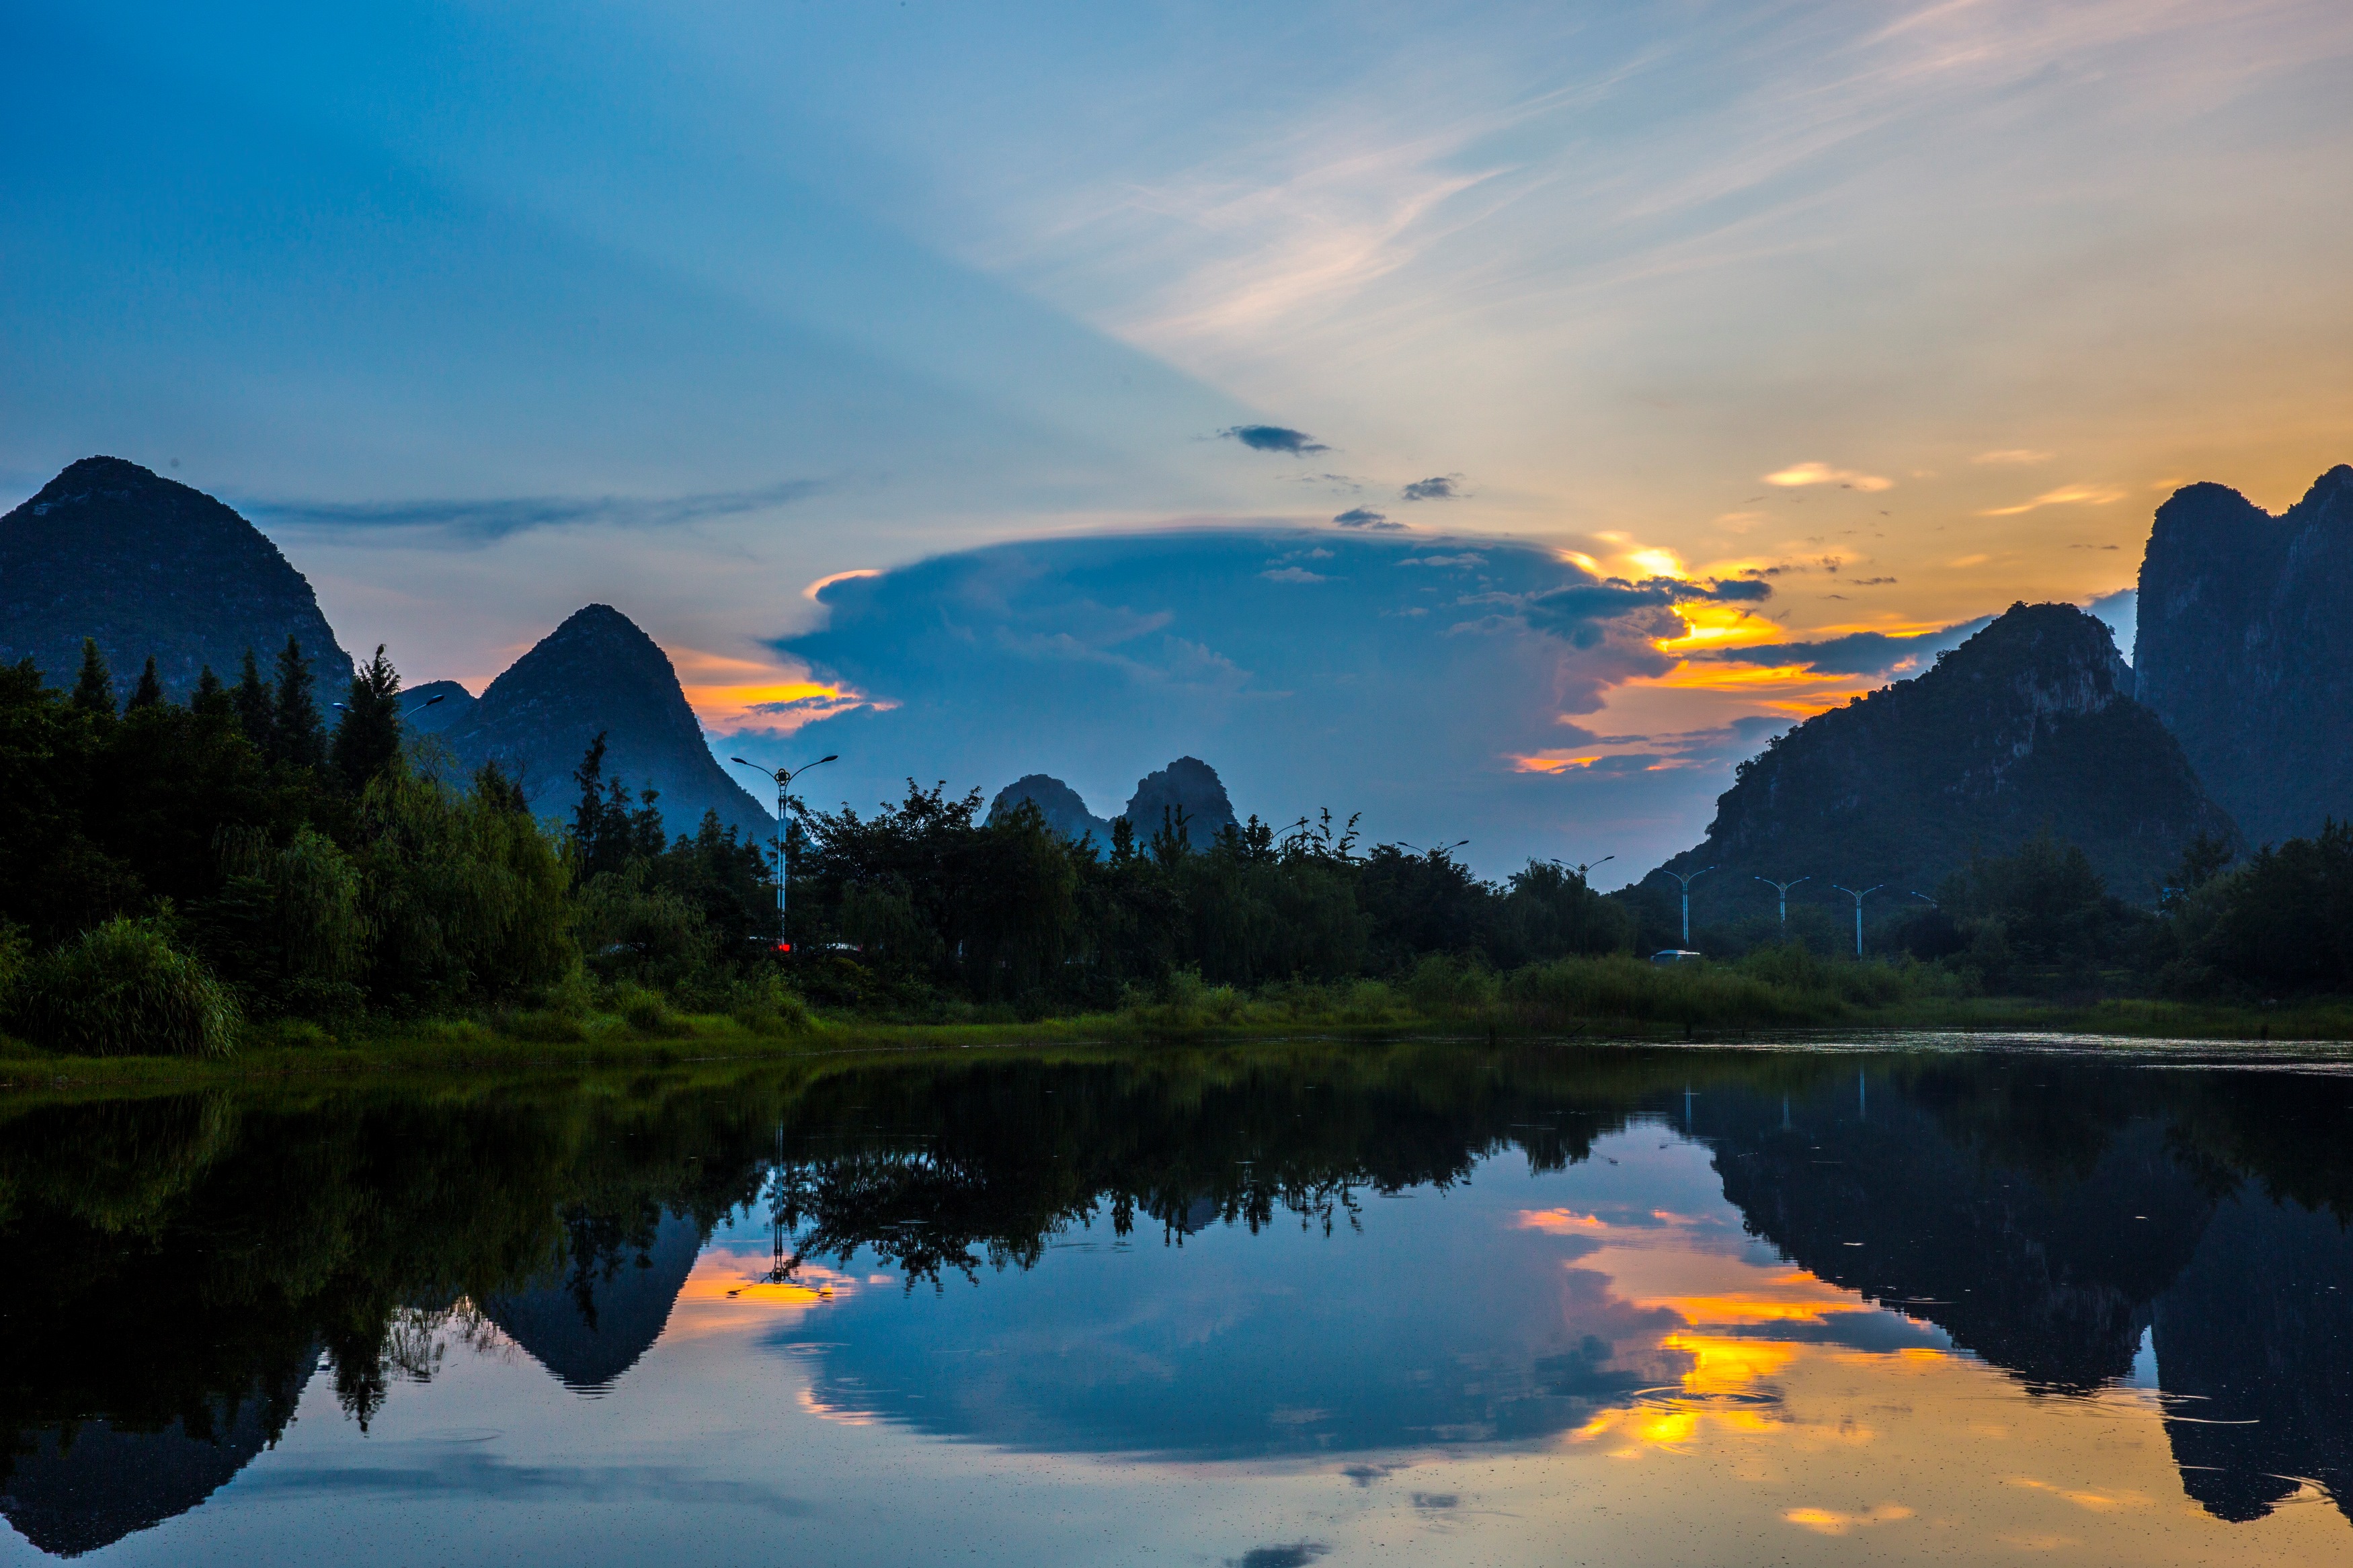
column 170, row 868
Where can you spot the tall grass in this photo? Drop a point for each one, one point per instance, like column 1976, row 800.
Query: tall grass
column 123, row 989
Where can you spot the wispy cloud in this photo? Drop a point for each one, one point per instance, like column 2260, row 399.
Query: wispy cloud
column 1274, row 438
column 2066, row 495
column 1364, row 516
column 1797, row 475
column 1438, row 487
column 1876, row 654
column 485, row 520
column 2013, row 458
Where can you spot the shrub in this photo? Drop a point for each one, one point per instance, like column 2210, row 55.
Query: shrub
column 645, row 1011
column 123, row 989
column 768, row 1006
column 1445, row 987
column 1573, row 990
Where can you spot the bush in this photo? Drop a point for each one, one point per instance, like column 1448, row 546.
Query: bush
column 1574, row 990
column 768, row 1006
column 124, row 990
column 1444, row 987
column 647, row 1011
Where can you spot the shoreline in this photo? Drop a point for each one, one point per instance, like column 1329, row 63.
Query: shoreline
column 458, row 1049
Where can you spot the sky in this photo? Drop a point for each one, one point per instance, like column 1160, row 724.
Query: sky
column 1075, row 323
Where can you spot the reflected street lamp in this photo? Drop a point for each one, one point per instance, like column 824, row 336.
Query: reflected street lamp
column 783, row 777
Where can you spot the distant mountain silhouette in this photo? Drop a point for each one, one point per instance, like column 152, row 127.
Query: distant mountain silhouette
column 2245, row 651
column 1188, row 783
column 455, row 703
column 2031, row 724
column 147, row 566
column 598, row 672
column 1060, row 805
column 590, row 1328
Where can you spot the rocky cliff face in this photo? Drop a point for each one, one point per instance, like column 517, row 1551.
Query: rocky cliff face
column 1064, row 809
column 2030, row 723
column 147, row 566
column 599, row 672
column 2245, row 649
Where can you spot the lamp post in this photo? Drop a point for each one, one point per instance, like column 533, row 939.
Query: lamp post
column 1783, row 889
column 406, row 712
column 1858, row 899
column 1582, row 869
column 1927, row 901
column 1687, row 881
column 783, row 777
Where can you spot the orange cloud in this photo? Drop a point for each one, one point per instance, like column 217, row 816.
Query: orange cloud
column 1551, row 762
column 2066, row 495
column 822, row 583
column 728, row 693
column 1801, row 474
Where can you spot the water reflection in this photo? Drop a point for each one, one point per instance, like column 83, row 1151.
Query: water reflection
column 1317, row 1256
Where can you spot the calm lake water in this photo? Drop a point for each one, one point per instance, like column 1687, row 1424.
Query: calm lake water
column 1428, row 1304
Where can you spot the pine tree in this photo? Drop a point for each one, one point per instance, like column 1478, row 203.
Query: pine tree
column 588, row 817
column 148, row 693
column 211, row 700
column 94, row 692
column 257, row 708
column 367, row 740
column 301, row 738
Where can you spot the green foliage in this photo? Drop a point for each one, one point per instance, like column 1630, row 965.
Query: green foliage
column 2282, row 923
column 93, row 692
column 367, row 737
column 297, row 735
column 468, row 899
column 123, row 989
column 764, row 1004
column 148, row 693
column 2040, row 920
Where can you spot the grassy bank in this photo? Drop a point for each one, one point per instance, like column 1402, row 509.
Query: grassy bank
column 1590, row 998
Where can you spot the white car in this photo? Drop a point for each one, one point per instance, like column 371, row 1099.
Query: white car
column 1676, row 955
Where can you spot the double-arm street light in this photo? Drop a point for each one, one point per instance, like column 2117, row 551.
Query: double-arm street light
column 1687, row 879
column 1858, row 899
column 783, row 777
column 406, row 713
column 1783, row 889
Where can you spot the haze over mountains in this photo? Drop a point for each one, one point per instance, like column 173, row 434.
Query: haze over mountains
column 2240, row 707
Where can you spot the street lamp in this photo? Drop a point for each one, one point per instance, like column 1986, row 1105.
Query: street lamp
column 1433, row 854
column 1927, row 901
column 1783, row 889
column 1858, row 899
column 1687, row 881
column 1582, row 869
column 406, row 713
column 783, row 777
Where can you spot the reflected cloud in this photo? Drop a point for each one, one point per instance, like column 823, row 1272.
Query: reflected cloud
column 442, row 1470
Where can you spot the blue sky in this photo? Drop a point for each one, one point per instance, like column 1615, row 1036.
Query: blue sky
column 485, row 313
